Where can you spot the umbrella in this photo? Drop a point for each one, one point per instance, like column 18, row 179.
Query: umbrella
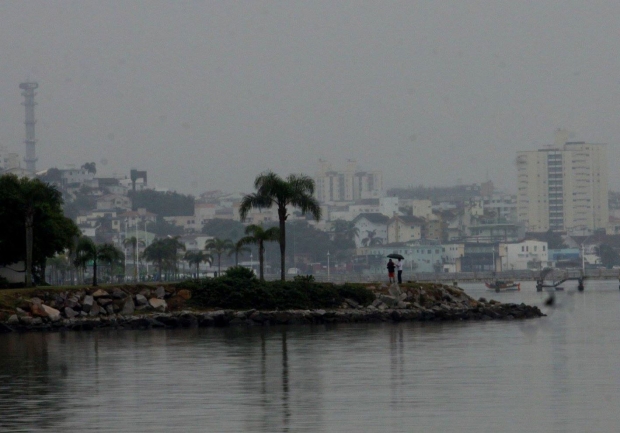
column 395, row 256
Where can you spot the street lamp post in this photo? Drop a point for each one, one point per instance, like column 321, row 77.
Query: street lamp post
column 328, row 265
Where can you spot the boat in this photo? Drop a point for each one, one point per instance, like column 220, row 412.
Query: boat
column 503, row 285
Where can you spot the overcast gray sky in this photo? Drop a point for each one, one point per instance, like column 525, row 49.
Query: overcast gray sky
column 206, row 95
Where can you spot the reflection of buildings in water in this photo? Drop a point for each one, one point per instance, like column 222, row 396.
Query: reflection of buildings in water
column 32, row 381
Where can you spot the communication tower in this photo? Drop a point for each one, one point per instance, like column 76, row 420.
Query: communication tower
column 28, row 94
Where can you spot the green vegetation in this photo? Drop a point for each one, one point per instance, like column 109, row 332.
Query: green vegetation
column 271, row 190
column 88, row 252
column 34, row 227
column 224, row 229
column 164, row 252
column 218, row 247
column 163, row 203
column 257, row 235
column 246, row 293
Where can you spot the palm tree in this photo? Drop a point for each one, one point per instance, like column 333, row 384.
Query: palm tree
column 87, row 251
column 196, row 257
column 258, row 235
column 271, row 189
column 345, row 233
column 163, row 252
column 134, row 243
column 219, row 247
column 236, row 249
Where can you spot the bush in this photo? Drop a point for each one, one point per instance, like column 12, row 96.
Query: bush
column 240, row 272
column 240, row 293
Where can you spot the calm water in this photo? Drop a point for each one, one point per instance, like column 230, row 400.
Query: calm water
column 556, row 374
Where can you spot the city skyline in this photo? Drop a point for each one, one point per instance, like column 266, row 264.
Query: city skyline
column 207, row 95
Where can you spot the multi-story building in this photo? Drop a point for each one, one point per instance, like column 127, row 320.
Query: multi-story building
column 349, row 184
column 563, row 187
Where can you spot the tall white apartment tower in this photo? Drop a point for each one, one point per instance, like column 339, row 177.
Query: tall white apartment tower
column 563, row 187
column 349, row 184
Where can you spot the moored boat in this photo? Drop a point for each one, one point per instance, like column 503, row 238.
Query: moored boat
column 502, row 285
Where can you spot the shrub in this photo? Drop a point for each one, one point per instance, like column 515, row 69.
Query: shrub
column 240, row 293
column 239, row 272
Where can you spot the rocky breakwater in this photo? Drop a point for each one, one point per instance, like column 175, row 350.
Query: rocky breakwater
column 166, row 307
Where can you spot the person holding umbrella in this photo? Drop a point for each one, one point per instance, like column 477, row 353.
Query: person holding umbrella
column 398, row 266
column 390, row 268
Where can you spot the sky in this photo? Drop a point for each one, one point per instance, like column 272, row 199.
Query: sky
column 206, row 95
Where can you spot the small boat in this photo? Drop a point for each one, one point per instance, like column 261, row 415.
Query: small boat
column 502, row 286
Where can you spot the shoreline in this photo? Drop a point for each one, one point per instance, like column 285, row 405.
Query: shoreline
column 149, row 307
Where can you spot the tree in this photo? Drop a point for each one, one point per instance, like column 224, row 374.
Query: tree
column 609, row 256
column 164, row 252
column 87, row 251
column 91, row 167
column 134, row 243
column 33, row 224
column 236, row 249
column 345, row 233
column 196, row 257
column 271, row 190
column 257, row 235
column 224, row 229
column 371, row 240
column 163, row 204
column 219, row 247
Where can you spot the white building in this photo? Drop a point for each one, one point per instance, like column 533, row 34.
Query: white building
column 349, row 184
column 563, row 187
column 529, row 254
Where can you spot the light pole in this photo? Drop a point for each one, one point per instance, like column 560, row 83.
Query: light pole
column 328, row 265
column 251, row 261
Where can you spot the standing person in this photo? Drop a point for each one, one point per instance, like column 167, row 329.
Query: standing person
column 399, row 267
column 390, row 267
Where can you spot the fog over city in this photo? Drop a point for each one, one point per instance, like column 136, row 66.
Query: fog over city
column 207, row 94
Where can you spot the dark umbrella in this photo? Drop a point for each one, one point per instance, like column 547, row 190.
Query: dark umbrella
column 395, row 256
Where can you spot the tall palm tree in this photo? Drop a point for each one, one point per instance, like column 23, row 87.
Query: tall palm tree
column 196, row 257
column 163, row 252
column 236, row 249
column 258, row 235
column 271, row 189
column 134, row 243
column 87, row 251
column 219, row 247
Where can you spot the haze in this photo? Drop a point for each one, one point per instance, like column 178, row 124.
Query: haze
column 205, row 95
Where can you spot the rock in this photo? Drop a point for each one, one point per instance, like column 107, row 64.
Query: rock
column 94, row 310
column 184, row 294
column 52, row 313
column 158, row 304
column 118, row 294
column 36, row 301
column 25, row 320
column 100, row 293
column 141, row 300
column 70, row 313
column 352, row 303
column 104, row 301
column 37, row 310
column 37, row 321
column 13, row 320
column 87, row 303
column 109, row 309
column 128, row 308
column 394, row 290
column 160, row 292
column 482, row 300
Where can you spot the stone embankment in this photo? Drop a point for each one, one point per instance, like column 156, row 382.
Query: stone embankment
column 166, row 307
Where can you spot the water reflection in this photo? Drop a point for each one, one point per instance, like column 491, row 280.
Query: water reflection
column 555, row 374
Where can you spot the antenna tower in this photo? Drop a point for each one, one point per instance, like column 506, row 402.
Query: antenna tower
column 28, row 94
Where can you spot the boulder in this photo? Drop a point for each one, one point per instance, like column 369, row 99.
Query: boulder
column 160, row 293
column 352, row 303
column 52, row 313
column 37, row 310
column 118, row 293
column 13, row 320
column 185, row 294
column 100, row 293
column 104, row 301
column 157, row 304
column 128, row 307
column 94, row 310
column 141, row 300
column 87, row 303
column 394, row 290
column 70, row 313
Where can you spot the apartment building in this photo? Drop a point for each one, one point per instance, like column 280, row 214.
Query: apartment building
column 563, row 187
column 349, row 184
